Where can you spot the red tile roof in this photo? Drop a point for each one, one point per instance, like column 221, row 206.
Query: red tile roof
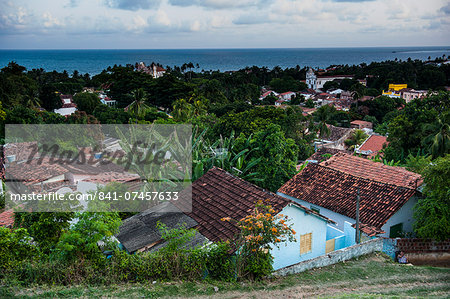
column 360, row 122
column 107, row 177
column 7, row 218
column 34, row 171
column 369, row 230
column 373, row 144
column 376, row 171
column 336, row 190
column 22, row 150
column 218, row 194
column 323, row 153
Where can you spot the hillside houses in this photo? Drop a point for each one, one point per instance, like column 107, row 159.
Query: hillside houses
column 27, row 171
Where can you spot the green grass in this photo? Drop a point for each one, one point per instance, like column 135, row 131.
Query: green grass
column 371, row 276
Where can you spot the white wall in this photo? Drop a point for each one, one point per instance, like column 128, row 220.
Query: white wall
column 65, row 111
column 338, row 218
column 289, row 253
column 404, row 215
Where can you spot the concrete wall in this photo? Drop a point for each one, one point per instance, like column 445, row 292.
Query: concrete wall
column 404, row 215
column 333, row 257
column 288, row 253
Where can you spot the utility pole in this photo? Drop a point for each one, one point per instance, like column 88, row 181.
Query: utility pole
column 357, row 236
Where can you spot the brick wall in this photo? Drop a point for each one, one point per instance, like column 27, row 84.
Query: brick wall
column 422, row 246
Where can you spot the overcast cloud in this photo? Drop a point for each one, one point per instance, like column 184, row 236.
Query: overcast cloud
column 222, row 23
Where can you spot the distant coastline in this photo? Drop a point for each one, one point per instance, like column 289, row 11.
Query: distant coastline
column 94, row 61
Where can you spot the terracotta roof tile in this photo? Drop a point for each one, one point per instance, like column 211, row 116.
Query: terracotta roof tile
column 360, row 122
column 34, row 171
column 218, row 194
column 21, row 150
column 323, row 152
column 379, row 172
column 336, row 190
column 7, row 218
column 373, row 144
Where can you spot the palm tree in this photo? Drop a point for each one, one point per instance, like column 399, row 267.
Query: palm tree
column 32, row 102
column 138, row 107
column 356, row 139
column 357, row 91
column 439, row 138
column 182, row 110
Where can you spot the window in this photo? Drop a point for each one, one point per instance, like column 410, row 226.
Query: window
column 396, row 231
column 305, row 243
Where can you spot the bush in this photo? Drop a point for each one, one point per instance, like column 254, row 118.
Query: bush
column 15, row 248
column 220, row 264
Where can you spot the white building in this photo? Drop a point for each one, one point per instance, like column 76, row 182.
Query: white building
column 68, row 106
column 287, row 95
column 311, row 79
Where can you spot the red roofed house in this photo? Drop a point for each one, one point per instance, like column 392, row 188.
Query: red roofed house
column 372, row 145
column 387, row 194
column 68, row 106
column 217, row 195
column 268, row 93
column 361, row 124
column 287, row 95
column 155, row 70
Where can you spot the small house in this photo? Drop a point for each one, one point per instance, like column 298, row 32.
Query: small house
column 387, row 194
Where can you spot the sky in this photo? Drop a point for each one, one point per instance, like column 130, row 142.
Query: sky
column 186, row 24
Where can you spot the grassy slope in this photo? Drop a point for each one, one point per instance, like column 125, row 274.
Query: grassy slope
column 370, row 276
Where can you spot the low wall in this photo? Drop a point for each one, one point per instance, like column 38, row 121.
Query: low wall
column 333, row 257
column 422, row 246
column 420, row 251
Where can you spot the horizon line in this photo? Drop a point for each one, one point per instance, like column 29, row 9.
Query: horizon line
column 230, row 48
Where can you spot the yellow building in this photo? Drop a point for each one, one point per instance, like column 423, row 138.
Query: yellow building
column 397, row 87
column 394, row 89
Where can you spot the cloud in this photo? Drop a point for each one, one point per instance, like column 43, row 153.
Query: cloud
column 133, row 4
column 446, row 9
column 221, row 4
column 49, row 21
column 250, row 19
column 73, row 3
column 15, row 21
column 352, row 0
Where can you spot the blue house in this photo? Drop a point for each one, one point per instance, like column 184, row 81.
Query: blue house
column 387, row 195
column 217, row 195
column 312, row 234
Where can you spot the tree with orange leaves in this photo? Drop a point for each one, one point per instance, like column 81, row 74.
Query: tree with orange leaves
column 259, row 231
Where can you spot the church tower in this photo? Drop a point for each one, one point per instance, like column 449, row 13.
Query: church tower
column 311, row 79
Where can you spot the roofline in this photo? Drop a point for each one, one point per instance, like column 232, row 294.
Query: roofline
column 311, row 212
column 291, row 202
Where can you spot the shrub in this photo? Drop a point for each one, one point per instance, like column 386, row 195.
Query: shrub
column 15, row 248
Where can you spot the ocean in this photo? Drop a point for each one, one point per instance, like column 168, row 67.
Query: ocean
column 94, row 61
